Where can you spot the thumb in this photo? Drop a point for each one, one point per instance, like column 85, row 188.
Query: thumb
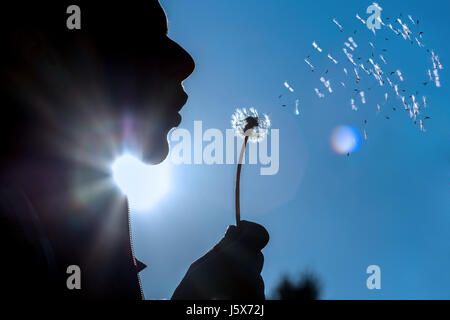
column 249, row 234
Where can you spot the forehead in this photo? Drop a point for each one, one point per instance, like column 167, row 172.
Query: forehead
column 141, row 17
column 96, row 16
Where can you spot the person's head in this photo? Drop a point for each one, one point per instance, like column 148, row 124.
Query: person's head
column 114, row 85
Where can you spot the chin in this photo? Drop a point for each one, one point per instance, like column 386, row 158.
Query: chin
column 158, row 152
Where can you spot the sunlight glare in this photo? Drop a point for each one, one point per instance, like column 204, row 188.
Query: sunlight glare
column 345, row 139
column 143, row 184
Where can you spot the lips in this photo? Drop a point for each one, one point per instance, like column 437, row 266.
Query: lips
column 182, row 99
column 179, row 102
column 178, row 120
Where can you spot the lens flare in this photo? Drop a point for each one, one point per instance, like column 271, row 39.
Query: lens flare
column 345, row 139
column 143, row 184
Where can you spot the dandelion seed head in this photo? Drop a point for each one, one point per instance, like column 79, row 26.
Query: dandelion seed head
column 247, row 122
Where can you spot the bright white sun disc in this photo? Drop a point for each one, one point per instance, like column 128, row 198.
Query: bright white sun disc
column 143, row 184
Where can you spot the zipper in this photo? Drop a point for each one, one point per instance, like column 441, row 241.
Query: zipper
column 132, row 249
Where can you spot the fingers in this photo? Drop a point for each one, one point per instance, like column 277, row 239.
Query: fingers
column 232, row 269
column 253, row 235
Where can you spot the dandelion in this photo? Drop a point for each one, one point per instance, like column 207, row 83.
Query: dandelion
column 254, row 128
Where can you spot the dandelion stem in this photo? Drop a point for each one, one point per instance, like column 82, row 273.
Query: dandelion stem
column 238, row 180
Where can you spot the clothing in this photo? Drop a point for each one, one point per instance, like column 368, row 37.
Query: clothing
column 37, row 247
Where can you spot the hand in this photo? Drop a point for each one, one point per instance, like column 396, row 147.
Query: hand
column 231, row 270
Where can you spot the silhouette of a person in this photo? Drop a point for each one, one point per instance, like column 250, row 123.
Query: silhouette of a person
column 72, row 100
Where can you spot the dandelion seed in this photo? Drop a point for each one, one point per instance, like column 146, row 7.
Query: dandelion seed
column 309, row 64
column 436, row 62
column 349, row 57
column 343, row 84
column 390, row 82
column 392, row 28
column 372, row 45
column 364, row 68
column 396, row 90
column 332, row 59
column 288, row 87
column 436, row 78
column 297, row 105
column 386, row 96
column 360, row 19
column 350, row 39
column 404, row 102
column 365, row 134
column 382, row 59
column 399, row 74
column 316, row 46
column 406, row 31
column 319, row 94
column 378, row 108
column 433, row 61
column 354, row 107
column 357, row 74
column 411, row 19
column 381, row 21
column 418, row 42
column 363, row 97
column 425, row 104
column 326, row 83
column 348, row 45
column 337, row 23
column 422, row 127
column 345, row 70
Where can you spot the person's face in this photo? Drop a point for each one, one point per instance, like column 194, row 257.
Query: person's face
column 116, row 82
column 143, row 72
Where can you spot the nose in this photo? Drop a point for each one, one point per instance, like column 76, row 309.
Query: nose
column 181, row 62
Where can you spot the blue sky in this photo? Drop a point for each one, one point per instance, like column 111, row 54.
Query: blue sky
column 387, row 204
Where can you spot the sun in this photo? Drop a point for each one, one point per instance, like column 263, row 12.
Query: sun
column 144, row 185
